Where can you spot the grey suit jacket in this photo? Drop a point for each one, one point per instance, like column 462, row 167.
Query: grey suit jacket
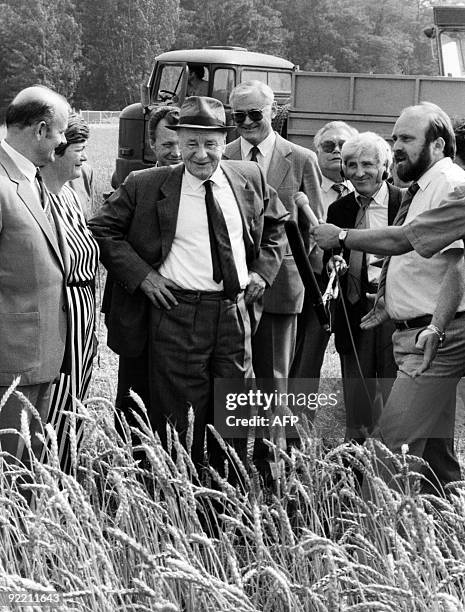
column 136, row 226
column 32, row 307
column 292, row 168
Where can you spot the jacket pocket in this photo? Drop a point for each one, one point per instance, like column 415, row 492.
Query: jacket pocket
column 19, row 341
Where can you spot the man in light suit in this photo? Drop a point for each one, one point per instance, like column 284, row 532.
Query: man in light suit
column 189, row 246
column 288, row 169
column 32, row 309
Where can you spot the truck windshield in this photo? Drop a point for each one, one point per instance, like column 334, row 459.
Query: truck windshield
column 169, row 84
column 453, row 53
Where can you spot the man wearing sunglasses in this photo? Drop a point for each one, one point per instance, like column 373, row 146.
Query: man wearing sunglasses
column 312, row 340
column 289, row 169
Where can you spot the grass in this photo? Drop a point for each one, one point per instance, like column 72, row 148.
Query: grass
column 117, row 535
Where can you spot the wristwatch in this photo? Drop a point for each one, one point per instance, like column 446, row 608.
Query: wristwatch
column 441, row 334
column 342, row 237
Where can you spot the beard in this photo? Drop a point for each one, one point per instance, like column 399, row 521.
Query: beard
column 411, row 171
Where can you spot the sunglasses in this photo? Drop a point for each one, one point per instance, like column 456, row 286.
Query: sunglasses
column 328, row 146
column 254, row 115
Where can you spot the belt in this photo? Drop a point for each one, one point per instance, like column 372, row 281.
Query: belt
column 422, row 321
column 84, row 283
column 189, row 295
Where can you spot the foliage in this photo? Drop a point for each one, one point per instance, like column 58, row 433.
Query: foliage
column 40, row 43
column 119, row 535
column 358, row 35
column 120, row 40
column 98, row 53
column 249, row 23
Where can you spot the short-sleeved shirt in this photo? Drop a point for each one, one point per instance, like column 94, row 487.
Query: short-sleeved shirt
column 413, row 283
column 435, row 229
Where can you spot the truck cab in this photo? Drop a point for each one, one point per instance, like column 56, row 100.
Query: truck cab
column 449, row 33
column 214, row 72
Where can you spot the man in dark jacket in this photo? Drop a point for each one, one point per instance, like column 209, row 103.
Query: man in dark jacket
column 367, row 360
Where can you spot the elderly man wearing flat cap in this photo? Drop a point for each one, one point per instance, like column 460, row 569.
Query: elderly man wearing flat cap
column 190, row 246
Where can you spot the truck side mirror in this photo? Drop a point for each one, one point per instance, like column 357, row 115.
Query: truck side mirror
column 144, row 96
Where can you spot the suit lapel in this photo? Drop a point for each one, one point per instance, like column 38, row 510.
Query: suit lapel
column 350, row 209
column 168, row 207
column 279, row 163
column 233, row 150
column 244, row 198
column 26, row 194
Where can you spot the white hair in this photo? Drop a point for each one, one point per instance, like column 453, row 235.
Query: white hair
column 371, row 141
column 253, row 86
column 333, row 125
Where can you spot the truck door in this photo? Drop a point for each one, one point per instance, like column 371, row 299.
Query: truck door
column 169, row 84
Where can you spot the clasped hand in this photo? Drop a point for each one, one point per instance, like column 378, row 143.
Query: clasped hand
column 337, row 263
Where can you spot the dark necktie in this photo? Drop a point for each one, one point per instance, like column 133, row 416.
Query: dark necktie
column 354, row 279
column 399, row 219
column 254, row 151
column 340, row 189
column 45, row 201
column 224, row 268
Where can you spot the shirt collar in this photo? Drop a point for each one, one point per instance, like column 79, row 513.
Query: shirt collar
column 23, row 164
column 379, row 198
column 326, row 184
column 265, row 147
column 196, row 184
column 432, row 173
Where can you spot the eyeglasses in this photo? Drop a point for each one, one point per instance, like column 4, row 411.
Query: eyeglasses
column 328, row 146
column 254, row 115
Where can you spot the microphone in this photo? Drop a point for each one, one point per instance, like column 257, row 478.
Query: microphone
column 302, row 203
column 305, row 271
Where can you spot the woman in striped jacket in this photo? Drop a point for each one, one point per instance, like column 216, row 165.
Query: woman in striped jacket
column 80, row 253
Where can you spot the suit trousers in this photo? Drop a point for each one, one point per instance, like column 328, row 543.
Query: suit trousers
column 133, row 373
column 365, row 397
column 421, row 411
column 311, row 342
column 273, row 345
column 10, row 418
column 190, row 345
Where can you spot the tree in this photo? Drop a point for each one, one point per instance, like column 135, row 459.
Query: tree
column 120, row 40
column 253, row 24
column 41, row 44
column 358, row 35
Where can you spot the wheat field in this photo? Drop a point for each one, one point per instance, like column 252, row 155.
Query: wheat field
column 120, row 534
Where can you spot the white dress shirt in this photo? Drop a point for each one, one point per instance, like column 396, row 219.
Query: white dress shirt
column 377, row 218
column 189, row 262
column 329, row 195
column 265, row 151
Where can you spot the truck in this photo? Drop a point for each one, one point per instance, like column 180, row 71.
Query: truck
column 306, row 100
column 223, row 68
